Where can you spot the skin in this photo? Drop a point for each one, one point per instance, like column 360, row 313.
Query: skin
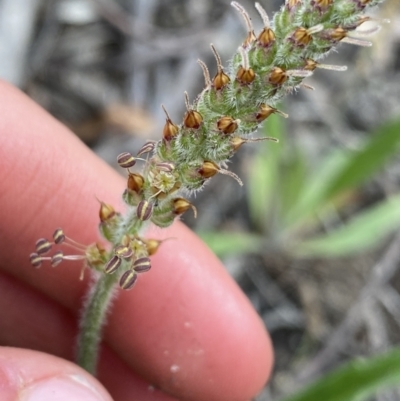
column 185, row 328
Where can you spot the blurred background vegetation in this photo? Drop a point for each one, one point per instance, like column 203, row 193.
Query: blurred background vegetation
column 313, row 239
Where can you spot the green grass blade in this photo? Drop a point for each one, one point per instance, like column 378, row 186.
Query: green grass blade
column 223, row 243
column 356, row 380
column 263, row 177
column 367, row 229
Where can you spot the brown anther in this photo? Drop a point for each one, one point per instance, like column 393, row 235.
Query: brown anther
column 167, row 167
column 208, row 169
column 245, row 76
column 135, row 182
column 128, row 279
column 35, row 259
column 227, row 125
column 181, row 205
column 277, row 76
column 57, row 258
column 42, row 246
column 142, row 265
column 123, row 251
column 126, row 160
column 146, row 148
column 113, row 264
column 221, row 79
column 106, row 212
column 192, row 118
column 170, row 130
column 144, row 210
column 59, row 236
column 301, row 37
column 266, row 37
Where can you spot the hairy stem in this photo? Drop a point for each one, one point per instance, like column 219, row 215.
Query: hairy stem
column 93, row 319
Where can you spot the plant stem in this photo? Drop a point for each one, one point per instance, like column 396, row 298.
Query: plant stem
column 93, row 319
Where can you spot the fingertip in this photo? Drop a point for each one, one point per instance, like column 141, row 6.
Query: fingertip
column 33, row 376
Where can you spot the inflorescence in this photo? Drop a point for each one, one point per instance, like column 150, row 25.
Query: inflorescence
column 232, row 105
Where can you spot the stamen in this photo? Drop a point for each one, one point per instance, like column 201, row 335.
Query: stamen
column 148, row 147
column 315, row 29
column 42, row 246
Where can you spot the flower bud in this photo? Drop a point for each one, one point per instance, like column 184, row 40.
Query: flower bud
column 322, row 4
column 277, row 76
column 266, row 38
column 220, row 80
column 181, row 205
column 152, row 246
column 237, row 142
column 113, row 264
column 35, row 259
column 59, row 236
column 128, row 279
column 264, row 112
column 106, row 212
column 126, row 160
column 301, row 37
column 290, row 4
column 227, row 125
column 42, row 246
column 135, row 182
column 142, row 265
column 144, row 210
column 192, row 119
column 245, row 76
column 337, row 34
column 170, row 130
column 310, row 65
column 208, row 169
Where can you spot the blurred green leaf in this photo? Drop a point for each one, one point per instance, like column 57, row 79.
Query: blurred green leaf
column 345, row 170
column 223, row 243
column 292, row 180
column 355, row 381
column 368, row 228
column 314, row 194
column 264, row 174
column 382, row 144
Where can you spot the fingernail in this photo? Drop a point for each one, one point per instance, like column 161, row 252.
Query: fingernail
column 63, row 388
